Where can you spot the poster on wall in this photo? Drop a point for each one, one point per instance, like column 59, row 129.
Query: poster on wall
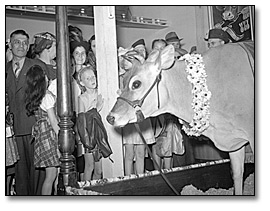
column 237, row 21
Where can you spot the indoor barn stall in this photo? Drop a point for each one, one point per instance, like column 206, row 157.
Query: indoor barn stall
column 171, row 119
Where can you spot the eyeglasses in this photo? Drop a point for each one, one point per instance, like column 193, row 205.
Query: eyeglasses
column 19, row 42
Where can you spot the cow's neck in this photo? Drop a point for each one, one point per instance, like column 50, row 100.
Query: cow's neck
column 179, row 92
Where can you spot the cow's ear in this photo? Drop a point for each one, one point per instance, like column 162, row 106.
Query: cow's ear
column 152, row 57
column 167, row 57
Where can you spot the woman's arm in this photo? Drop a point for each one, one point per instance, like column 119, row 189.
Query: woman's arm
column 53, row 120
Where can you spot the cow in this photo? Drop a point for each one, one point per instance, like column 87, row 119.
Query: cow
column 160, row 85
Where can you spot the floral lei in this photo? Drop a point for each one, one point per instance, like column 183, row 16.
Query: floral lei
column 201, row 95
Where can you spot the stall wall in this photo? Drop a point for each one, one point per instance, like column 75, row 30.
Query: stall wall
column 181, row 19
column 187, row 21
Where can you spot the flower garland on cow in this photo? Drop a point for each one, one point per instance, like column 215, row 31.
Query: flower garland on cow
column 201, row 95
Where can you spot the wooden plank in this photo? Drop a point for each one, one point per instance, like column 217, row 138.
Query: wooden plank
column 203, row 178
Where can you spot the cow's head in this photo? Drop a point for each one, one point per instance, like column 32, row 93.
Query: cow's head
column 229, row 12
column 141, row 92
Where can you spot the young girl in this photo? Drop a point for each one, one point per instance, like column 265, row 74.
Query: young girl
column 91, row 129
column 168, row 142
column 135, row 150
column 41, row 102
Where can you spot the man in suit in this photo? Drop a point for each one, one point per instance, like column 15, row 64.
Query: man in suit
column 27, row 179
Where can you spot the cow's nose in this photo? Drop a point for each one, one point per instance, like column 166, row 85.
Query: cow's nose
column 110, row 119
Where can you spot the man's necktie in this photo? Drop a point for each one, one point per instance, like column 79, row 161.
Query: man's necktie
column 17, row 67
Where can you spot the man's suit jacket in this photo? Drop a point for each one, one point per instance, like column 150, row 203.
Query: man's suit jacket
column 15, row 87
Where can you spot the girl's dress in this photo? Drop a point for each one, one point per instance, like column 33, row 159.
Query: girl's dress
column 170, row 140
column 12, row 154
column 46, row 152
column 131, row 136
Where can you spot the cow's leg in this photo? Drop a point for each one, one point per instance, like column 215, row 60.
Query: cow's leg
column 237, row 165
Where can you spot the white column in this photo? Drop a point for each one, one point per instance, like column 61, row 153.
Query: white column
column 202, row 26
column 107, row 70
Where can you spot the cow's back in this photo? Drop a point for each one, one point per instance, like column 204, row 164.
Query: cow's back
column 231, row 81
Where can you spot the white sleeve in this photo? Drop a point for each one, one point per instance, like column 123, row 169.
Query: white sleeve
column 48, row 102
column 53, row 87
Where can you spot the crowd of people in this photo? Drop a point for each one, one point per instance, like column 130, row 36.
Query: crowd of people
column 32, row 153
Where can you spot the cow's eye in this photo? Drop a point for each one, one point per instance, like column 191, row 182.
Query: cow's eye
column 136, row 84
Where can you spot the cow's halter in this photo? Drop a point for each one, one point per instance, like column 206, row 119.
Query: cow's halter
column 137, row 104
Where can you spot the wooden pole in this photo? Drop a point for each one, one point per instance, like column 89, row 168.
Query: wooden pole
column 67, row 175
column 107, row 71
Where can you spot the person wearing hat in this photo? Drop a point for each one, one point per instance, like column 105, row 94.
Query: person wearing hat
column 139, row 46
column 172, row 39
column 217, row 37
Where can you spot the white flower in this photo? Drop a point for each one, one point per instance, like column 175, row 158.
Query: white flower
column 201, row 95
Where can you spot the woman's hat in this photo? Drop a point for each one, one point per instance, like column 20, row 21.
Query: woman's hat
column 74, row 44
column 218, row 33
column 172, row 37
column 42, row 41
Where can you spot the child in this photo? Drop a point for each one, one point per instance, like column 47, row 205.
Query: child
column 168, row 142
column 135, row 150
column 12, row 154
column 78, row 51
column 90, row 127
column 158, row 44
column 40, row 102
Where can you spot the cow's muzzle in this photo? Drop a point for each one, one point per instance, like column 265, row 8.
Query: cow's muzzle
column 137, row 104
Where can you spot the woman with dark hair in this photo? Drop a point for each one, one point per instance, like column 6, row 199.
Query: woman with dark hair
column 78, row 51
column 39, row 101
